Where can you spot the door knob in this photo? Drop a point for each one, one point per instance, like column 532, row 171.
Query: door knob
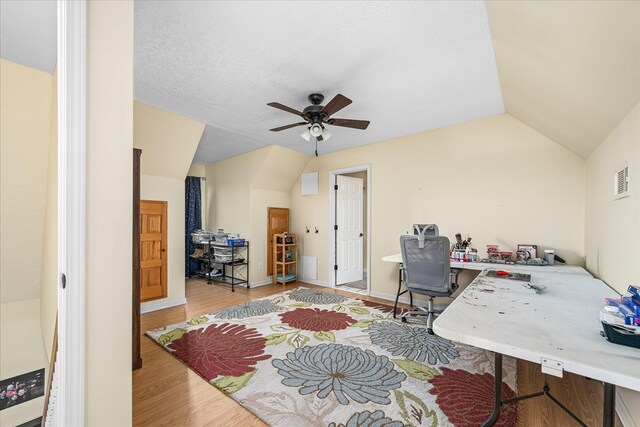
column 361, row 234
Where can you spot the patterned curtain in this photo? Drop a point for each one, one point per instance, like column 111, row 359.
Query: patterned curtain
column 192, row 221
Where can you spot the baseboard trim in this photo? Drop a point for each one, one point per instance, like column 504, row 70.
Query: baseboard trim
column 623, row 412
column 315, row 282
column 263, row 282
column 150, row 306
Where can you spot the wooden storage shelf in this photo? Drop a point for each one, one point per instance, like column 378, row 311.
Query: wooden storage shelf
column 285, row 258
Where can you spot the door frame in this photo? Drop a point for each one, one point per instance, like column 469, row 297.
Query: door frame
column 332, row 220
column 71, row 60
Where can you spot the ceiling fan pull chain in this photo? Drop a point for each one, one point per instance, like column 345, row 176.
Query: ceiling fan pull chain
column 316, row 147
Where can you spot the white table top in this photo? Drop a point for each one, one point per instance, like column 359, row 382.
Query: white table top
column 555, row 316
column 515, row 268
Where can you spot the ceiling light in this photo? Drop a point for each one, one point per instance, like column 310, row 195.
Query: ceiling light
column 326, row 134
column 306, row 135
column 315, row 130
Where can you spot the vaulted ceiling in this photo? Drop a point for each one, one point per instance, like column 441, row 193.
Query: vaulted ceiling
column 568, row 69
column 28, row 33
column 408, row 67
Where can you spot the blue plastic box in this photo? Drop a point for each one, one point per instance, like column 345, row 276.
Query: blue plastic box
column 235, row 242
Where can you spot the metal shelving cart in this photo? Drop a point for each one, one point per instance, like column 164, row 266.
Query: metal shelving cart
column 225, row 263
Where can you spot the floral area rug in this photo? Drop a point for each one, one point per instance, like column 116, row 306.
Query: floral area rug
column 311, row 358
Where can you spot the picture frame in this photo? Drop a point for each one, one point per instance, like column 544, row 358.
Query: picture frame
column 21, row 388
column 530, row 250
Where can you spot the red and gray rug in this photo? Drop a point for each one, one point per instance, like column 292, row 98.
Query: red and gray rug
column 312, row 358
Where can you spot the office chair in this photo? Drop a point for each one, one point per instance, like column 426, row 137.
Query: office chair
column 426, row 271
column 424, row 230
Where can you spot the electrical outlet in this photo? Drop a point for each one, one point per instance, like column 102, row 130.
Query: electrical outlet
column 259, row 266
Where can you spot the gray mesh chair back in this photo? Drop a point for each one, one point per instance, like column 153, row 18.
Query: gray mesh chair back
column 426, row 270
column 424, row 230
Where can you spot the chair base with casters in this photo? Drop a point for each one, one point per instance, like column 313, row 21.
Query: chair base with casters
column 431, row 311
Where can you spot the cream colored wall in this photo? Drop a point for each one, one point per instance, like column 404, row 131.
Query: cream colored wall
column 228, row 194
column 261, row 200
column 172, row 191
column 197, row 169
column 25, row 117
column 240, row 189
column 168, row 141
column 22, row 351
column 496, row 178
column 49, row 287
column 279, row 168
column 557, row 76
column 612, row 229
column 109, row 179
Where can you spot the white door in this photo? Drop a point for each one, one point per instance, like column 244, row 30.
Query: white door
column 349, row 236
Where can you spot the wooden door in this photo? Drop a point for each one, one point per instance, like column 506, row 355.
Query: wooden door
column 277, row 223
column 153, row 250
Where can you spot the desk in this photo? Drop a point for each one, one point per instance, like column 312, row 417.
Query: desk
column 553, row 317
column 515, row 268
column 480, row 266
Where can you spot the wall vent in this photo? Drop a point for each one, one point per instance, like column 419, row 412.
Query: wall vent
column 621, row 183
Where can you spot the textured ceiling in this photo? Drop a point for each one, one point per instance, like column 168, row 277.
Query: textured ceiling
column 28, row 33
column 569, row 69
column 407, row 66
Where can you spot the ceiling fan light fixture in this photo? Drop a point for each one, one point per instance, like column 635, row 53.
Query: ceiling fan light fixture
column 315, row 130
column 306, row 135
column 326, row 134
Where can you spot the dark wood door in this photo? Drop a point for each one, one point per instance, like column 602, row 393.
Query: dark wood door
column 135, row 324
column 277, row 223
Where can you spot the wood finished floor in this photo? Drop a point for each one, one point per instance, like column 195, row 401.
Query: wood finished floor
column 168, row 393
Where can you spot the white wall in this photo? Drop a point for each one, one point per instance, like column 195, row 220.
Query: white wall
column 172, row 191
column 109, row 182
column 25, row 125
column 22, row 351
column 496, row 179
column 612, row 229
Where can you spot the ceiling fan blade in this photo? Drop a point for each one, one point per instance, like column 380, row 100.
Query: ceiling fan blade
column 336, row 104
column 287, row 126
column 348, row 123
column 284, row 108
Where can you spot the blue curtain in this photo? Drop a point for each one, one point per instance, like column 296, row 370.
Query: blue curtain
column 192, row 221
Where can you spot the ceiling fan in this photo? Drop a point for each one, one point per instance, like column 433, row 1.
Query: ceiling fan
column 316, row 116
